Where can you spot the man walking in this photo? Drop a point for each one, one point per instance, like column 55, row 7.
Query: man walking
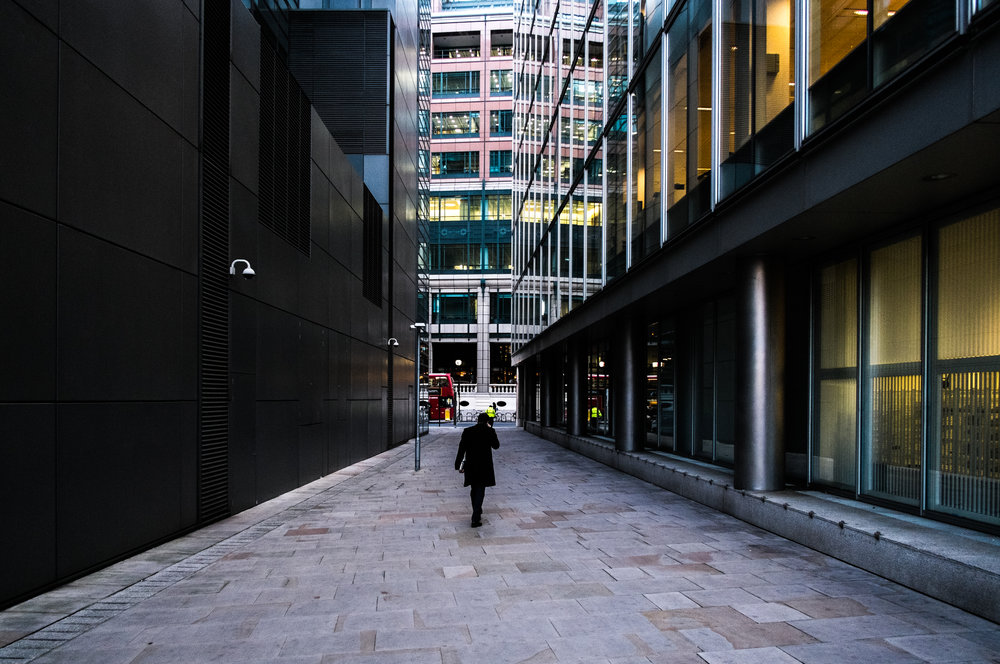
column 475, row 460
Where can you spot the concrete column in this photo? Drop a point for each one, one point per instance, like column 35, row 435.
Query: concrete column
column 576, row 391
column 760, row 378
column 483, row 342
column 627, row 368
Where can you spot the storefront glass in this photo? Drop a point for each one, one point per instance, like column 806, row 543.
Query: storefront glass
column 894, row 409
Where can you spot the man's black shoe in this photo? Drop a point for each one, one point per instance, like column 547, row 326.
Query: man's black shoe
column 476, row 524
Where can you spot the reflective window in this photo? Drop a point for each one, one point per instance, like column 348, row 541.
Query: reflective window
column 500, row 162
column 689, row 73
column 758, row 87
column 616, row 213
column 902, row 31
column 453, row 308
column 646, row 164
column 455, row 83
column 501, row 82
column 463, row 123
column 454, row 164
column 500, row 123
column 834, row 460
column 892, row 463
column 964, row 457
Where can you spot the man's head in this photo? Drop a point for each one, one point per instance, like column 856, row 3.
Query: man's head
column 483, row 419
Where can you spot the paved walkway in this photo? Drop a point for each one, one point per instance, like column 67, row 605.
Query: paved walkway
column 575, row 563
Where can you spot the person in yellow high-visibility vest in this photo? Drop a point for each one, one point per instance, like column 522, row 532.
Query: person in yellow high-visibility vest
column 491, row 411
column 595, row 413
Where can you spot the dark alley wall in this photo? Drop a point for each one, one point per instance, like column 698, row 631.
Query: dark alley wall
column 105, row 276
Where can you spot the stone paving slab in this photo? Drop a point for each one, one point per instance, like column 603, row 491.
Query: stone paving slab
column 575, row 562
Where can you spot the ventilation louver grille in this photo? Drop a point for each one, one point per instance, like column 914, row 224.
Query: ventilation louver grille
column 285, row 136
column 213, row 415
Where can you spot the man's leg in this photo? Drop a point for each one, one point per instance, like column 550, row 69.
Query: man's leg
column 477, row 493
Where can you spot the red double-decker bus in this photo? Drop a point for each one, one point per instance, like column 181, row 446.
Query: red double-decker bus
column 441, row 396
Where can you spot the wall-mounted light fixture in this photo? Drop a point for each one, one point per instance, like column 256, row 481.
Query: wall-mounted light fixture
column 248, row 273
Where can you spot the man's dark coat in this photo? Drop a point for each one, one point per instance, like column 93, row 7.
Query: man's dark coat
column 477, row 445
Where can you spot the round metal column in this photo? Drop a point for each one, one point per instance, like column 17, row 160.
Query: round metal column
column 575, row 390
column 628, row 397
column 760, row 379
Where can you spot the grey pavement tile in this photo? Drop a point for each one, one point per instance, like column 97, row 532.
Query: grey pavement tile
column 577, row 590
column 277, row 628
column 325, row 644
column 721, row 597
column 617, row 604
column 538, row 579
column 240, row 612
column 550, row 609
column 934, row 623
column 855, row 627
column 829, row 607
column 671, row 600
column 626, row 573
column 523, row 594
column 706, row 639
column 462, row 615
column 749, row 656
column 358, row 622
column 225, row 653
column 769, row 612
column 874, row 650
column 783, row 593
column 415, row 600
column 117, row 654
column 426, row 656
column 945, row 648
column 431, row 637
column 503, row 652
column 593, row 645
column 714, row 579
column 754, row 566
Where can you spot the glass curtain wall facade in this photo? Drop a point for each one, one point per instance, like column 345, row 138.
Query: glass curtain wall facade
column 638, row 124
column 468, row 250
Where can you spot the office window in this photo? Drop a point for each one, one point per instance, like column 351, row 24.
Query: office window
column 892, row 464
column 501, row 162
column 689, row 131
column 616, row 214
column 501, row 43
column 616, row 72
column 646, row 163
column 455, row 84
column 463, row 123
column 501, row 82
column 964, row 455
column 456, row 45
column 501, row 123
column 758, row 77
column 902, row 32
column 454, row 164
column 453, row 308
column 834, row 459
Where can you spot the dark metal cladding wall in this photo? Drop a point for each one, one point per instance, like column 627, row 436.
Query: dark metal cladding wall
column 284, row 177
column 353, row 107
column 213, row 295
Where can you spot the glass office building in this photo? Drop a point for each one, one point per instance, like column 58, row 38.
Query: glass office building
column 468, row 165
column 766, row 235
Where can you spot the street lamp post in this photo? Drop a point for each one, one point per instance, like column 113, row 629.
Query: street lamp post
column 418, row 328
